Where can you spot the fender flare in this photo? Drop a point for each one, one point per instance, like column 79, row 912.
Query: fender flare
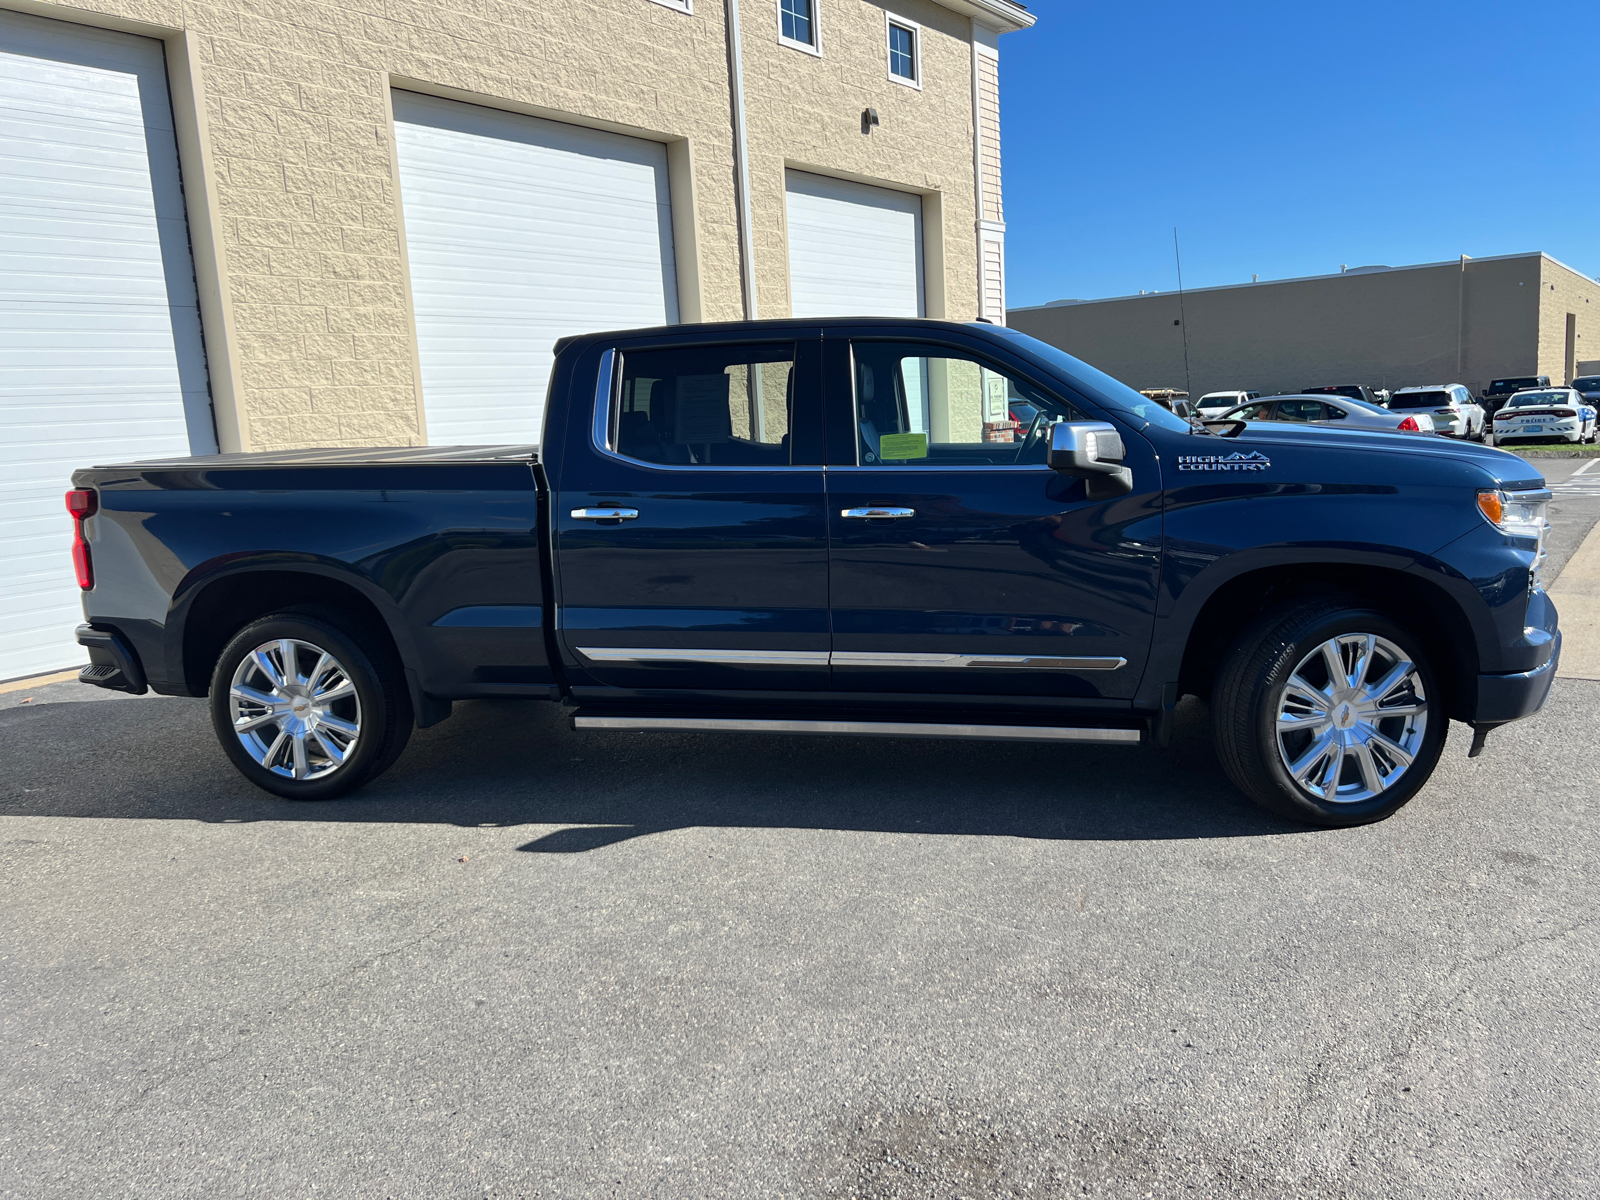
column 238, row 563
column 1175, row 621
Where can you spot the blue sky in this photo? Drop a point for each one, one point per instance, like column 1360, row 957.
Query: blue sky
column 1285, row 139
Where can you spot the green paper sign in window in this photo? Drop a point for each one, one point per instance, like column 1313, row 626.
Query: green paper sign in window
column 903, row 445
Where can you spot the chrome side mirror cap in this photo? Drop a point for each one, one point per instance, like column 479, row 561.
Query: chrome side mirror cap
column 1092, row 451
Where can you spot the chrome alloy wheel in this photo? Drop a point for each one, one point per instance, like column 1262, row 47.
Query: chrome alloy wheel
column 1351, row 718
column 294, row 709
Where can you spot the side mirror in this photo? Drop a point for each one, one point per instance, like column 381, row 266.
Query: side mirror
column 1093, row 451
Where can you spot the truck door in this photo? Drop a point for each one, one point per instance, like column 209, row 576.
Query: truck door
column 960, row 562
column 691, row 539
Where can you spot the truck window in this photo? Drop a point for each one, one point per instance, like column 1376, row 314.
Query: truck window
column 706, row 406
column 932, row 406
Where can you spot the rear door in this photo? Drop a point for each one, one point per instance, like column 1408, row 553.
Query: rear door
column 691, row 541
column 960, row 562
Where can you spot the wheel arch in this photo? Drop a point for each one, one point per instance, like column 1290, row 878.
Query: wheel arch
column 213, row 608
column 1417, row 603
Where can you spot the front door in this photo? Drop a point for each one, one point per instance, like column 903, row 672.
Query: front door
column 691, row 541
column 960, row 562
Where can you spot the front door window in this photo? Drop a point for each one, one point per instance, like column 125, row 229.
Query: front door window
column 920, row 408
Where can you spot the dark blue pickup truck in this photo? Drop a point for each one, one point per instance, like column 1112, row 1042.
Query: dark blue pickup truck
column 839, row 527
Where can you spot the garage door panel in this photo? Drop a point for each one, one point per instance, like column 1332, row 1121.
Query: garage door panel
column 100, row 349
column 521, row 231
column 854, row 249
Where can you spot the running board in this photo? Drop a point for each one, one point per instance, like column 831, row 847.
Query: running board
column 916, row 729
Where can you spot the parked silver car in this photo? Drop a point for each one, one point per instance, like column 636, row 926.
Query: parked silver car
column 1332, row 411
column 1452, row 406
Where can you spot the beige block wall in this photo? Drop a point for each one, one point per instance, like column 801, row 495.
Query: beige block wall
column 294, row 115
column 1386, row 329
column 1561, row 291
column 804, row 112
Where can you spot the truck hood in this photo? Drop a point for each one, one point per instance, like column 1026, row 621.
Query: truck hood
column 1504, row 468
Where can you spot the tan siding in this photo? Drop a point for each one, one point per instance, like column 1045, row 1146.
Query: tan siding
column 989, row 135
column 994, row 281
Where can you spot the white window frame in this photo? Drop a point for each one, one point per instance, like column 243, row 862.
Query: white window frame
column 889, row 19
column 683, row 6
column 815, row 48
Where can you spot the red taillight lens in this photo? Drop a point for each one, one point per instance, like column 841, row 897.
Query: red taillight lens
column 1410, row 425
column 82, row 504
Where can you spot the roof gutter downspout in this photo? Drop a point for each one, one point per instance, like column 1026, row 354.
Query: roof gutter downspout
column 741, row 162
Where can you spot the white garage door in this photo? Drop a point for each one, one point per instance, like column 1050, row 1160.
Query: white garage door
column 521, row 231
column 100, row 355
column 854, row 250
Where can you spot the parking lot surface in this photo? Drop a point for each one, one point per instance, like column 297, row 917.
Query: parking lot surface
column 530, row 962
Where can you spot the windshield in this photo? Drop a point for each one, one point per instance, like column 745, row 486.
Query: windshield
column 1096, row 383
column 1511, row 385
column 1420, row 400
column 1587, row 383
column 1534, row 399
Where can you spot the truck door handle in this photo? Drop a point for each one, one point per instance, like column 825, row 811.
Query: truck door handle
column 604, row 514
column 876, row 514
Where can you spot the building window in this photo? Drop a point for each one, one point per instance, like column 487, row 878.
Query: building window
column 797, row 24
column 903, row 64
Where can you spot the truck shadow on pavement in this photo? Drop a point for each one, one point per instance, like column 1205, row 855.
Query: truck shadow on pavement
column 513, row 763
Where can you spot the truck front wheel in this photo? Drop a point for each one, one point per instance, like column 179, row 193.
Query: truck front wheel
column 1329, row 713
column 306, row 708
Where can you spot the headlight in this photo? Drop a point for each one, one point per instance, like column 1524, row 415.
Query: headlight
column 1519, row 514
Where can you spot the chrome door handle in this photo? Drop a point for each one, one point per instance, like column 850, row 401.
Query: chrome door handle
column 604, row 514
column 876, row 514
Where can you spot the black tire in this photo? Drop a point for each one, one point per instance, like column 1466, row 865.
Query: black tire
column 378, row 706
column 1254, row 686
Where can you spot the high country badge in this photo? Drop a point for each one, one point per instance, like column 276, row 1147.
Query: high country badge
column 1254, row 461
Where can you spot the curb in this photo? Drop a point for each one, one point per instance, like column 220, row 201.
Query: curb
column 1590, row 452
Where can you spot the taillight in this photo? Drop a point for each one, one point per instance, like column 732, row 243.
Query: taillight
column 82, row 504
column 1410, row 425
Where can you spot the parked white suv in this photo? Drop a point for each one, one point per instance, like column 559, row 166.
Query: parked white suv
column 1214, row 404
column 1451, row 405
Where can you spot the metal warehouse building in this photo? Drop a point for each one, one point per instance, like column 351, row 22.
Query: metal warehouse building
column 1466, row 321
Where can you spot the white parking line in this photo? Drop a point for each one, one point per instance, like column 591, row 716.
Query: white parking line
column 1588, row 466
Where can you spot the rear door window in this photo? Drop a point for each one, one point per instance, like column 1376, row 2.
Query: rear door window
column 1301, row 410
column 706, row 406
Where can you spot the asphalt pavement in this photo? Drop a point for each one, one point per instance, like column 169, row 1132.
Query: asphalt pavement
column 530, row 962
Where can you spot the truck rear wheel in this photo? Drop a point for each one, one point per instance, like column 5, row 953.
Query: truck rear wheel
column 307, row 708
column 1329, row 713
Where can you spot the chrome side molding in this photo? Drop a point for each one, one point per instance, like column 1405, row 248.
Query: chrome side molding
column 849, row 658
column 1027, row 662
column 913, row 729
column 737, row 658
